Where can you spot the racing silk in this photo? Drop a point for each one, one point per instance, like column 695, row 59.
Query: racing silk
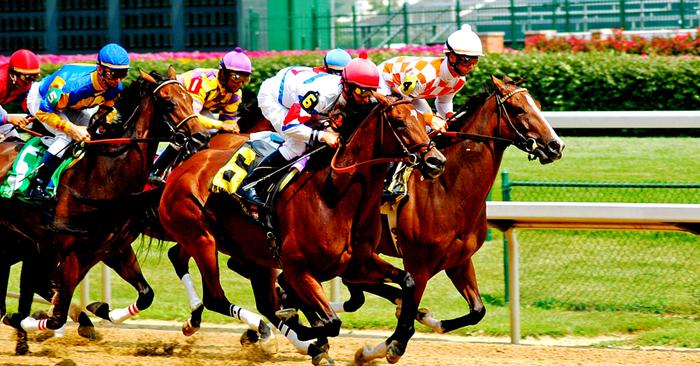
column 208, row 95
column 305, row 92
column 9, row 94
column 434, row 80
column 73, row 87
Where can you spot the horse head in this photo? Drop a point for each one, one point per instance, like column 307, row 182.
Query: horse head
column 524, row 123
column 407, row 127
column 175, row 105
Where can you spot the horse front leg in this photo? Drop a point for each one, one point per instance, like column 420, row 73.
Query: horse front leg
column 180, row 260
column 463, row 277
column 69, row 273
column 125, row 264
column 376, row 270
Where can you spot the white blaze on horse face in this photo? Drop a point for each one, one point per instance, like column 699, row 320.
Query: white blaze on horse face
column 540, row 116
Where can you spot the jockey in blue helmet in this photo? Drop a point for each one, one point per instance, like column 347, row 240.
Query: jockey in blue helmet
column 335, row 60
column 66, row 101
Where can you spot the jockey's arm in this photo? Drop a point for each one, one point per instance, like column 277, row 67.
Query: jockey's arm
column 294, row 126
column 435, row 122
column 48, row 113
column 443, row 105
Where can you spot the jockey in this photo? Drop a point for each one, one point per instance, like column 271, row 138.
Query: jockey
column 297, row 95
column 433, row 77
column 66, row 101
column 335, row 60
column 424, row 78
column 16, row 78
column 212, row 90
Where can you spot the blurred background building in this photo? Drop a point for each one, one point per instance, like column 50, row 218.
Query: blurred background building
column 82, row 26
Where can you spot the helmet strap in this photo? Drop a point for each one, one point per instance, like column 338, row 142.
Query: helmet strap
column 13, row 77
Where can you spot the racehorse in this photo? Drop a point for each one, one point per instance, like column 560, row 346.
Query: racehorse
column 99, row 204
column 338, row 209
column 441, row 226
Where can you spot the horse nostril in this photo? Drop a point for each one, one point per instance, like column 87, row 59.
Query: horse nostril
column 434, row 162
column 555, row 146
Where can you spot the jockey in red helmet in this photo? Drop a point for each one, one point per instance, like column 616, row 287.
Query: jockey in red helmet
column 16, row 78
column 291, row 101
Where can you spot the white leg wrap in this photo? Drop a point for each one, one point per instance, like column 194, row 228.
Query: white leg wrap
column 338, row 307
column 30, row 324
column 119, row 315
column 369, row 353
column 301, row 346
column 251, row 319
column 195, row 301
column 60, row 332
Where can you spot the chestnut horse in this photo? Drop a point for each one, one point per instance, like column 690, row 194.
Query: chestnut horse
column 455, row 227
column 98, row 209
column 338, row 209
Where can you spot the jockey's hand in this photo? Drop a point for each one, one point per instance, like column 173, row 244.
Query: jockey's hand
column 78, row 133
column 19, row 121
column 330, row 138
column 438, row 124
column 230, row 126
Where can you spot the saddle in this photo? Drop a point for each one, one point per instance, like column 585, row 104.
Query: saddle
column 26, row 165
column 244, row 161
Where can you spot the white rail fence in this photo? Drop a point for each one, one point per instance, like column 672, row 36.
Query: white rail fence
column 509, row 216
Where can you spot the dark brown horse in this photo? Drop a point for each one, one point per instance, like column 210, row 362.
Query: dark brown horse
column 328, row 225
column 441, row 226
column 98, row 209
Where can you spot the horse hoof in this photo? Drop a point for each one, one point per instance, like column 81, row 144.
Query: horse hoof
column 268, row 341
column 359, row 358
column 322, row 359
column 40, row 314
column 324, row 346
column 188, row 329
column 21, row 348
column 100, row 309
column 87, row 331
column 249, row 338
column 423, row 313
column 286, row 314
column 394, row 351
column 13, row 319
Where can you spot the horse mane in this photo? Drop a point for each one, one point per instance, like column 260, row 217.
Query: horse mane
column 131, row 96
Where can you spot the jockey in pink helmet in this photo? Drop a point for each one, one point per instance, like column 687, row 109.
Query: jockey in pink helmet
column 16, row 77
column 213, row 91
column 293, row 100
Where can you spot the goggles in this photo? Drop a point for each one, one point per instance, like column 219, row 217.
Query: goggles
column 113, row 74
column 467, row 60
column 363, row 92
column 238, row 78
column 28, row 77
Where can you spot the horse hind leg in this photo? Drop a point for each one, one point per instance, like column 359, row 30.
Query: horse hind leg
column 127, row 267
column 180, row 259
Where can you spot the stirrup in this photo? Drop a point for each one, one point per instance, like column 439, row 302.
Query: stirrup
column 251, row 195
column 156, row 179
column 38, row 194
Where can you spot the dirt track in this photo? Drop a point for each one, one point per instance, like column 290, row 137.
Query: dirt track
column 165, row 345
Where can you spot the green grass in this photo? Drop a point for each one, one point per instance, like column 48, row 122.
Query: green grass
column 643, row 285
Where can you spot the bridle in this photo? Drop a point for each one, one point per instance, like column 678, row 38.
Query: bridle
column 527, row 144
column 410, row 154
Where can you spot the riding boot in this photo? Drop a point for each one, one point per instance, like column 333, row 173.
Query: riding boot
column 37, row 190
column 165, row 159
column 397, row 185
column 268, row 165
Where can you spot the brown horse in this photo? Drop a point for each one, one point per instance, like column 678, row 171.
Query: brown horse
column 441, row 226
column 98, row 209
column 328, row 225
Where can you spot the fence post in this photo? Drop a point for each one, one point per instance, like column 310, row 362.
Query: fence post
column 567, row 16
column 314, row 28
column 405, row 23
column 623, row 16
column 458, row 19
column 681, row 13
column 555, row 5
column 178, row 25
column 51, row 32
column 505, row 191
column 354, row 28
column 388, row 19
column 113, row 23
column 513, row 26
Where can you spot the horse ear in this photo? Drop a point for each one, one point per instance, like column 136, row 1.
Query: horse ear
column 380, row 98
column 147, row 77
column 499, row 85
column 507, row 79
column 172, row 74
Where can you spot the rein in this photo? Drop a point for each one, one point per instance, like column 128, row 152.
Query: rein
column 407, row 151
